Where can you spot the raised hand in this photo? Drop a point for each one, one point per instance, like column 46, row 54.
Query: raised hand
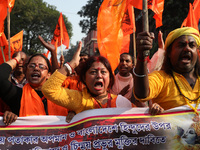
column 47, row 45
column 75, row 60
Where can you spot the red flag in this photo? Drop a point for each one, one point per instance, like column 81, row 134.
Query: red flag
column 109, row 31
column 11, row 4
column 60, row 33
column 190, row 20
column 157, row 6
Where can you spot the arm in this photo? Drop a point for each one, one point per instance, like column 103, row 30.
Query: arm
column 9, row 93
column 62, row 60
column 54, row 91
column 52, row 49
column 141, row 83
column 73, row 63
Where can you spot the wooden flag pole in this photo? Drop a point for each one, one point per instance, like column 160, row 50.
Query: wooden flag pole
column 8, row 26
column 134, row 42
column 61, row 48
column 145, row 23
column 3, row 54
column 145, row 16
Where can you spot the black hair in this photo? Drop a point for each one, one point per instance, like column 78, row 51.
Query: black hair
column 88, row 63
column 46, row 59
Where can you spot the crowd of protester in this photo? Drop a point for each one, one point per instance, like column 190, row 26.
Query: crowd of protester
column 31, row 85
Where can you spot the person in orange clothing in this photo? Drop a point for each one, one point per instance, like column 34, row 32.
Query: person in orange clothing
column 96, row 74
column 29, row 100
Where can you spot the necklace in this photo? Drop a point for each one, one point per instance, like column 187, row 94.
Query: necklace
column 188, row 100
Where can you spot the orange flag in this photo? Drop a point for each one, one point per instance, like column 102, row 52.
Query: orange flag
column 190, row 20
column 3, row 48
column 16, row 42
column 11, row 4
column 3, row 13
column 196, row 6
column 128, row 26
column 60, row 33
column 157, row 6
column 109, row 31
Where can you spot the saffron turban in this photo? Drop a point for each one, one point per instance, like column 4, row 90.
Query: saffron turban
column 179, row 32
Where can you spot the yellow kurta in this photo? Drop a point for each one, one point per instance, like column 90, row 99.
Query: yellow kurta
column 71, row 99
column 163, row 90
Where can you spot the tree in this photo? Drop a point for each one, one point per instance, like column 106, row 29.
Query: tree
column 35, row 17
column 90, row 12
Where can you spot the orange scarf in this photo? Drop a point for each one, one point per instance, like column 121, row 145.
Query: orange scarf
column 31, row 104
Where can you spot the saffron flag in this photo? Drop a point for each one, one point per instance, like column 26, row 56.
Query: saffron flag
column 128, row 26
column 60, row 33
column 190, row 20
column 109, row 31
column 196, row 6
column 3, row 47
column 16, row 43
column 3, row 13
column 11, row 4
column 157, row 6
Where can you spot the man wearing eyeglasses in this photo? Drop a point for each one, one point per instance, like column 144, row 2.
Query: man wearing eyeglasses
column 29, row 100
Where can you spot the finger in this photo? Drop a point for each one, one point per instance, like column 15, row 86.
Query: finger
column 8, row 118
column 13, row 118
column 4, row 116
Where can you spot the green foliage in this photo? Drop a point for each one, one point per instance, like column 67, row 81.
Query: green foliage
column 35, row 17
column 90, row 13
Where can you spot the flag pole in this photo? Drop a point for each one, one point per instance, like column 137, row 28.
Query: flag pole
column 145, row 22
column 145, row 16
column 61, row 48
column 134, row 42
column 3, row 54
column 8, row 26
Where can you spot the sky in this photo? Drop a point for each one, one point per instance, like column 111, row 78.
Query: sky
column 70, row 8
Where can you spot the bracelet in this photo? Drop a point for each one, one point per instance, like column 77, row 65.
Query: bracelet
column 16, row 60
column 137, row 75
column 143, row 60
column 69, row 68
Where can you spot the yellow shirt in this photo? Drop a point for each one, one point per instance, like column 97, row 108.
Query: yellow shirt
column 163, row 90
column 71, row 99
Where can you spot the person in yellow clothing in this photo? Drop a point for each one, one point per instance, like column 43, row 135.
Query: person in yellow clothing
column 178, row 83
column 96, row 74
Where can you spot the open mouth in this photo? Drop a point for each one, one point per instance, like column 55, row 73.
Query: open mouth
column 98, row 85
column 186, row 58
column 35, row 75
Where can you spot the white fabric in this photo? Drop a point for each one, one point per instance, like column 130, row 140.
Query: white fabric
column 123, row 102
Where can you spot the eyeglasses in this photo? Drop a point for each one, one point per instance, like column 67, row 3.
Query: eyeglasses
column 41, row 66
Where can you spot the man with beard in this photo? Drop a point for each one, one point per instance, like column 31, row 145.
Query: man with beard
column 178, row 83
